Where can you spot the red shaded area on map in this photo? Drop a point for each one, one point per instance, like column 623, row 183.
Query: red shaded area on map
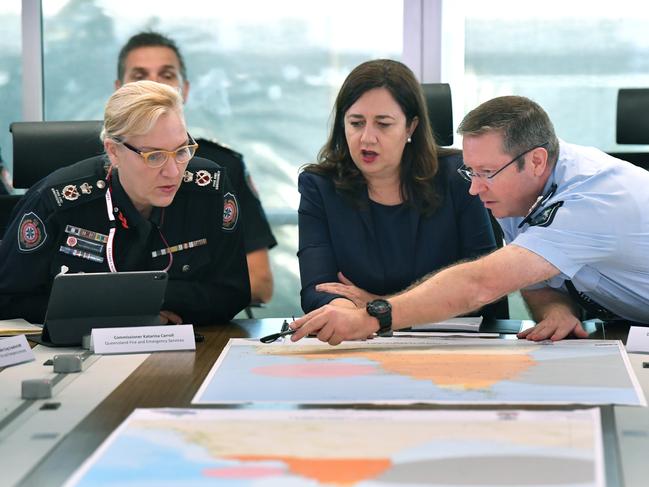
column 243, row 472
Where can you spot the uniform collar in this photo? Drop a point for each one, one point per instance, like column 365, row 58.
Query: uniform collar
column 122, row 203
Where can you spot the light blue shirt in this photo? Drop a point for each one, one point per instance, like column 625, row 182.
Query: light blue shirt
column 599, row 236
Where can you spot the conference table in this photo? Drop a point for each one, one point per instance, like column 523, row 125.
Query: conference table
column 170, row 380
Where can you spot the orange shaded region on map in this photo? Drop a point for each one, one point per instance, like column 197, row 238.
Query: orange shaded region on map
column 342, row 471
column 316, row 369
column 453, row 370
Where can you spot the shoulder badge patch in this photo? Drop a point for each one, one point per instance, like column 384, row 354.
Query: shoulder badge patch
column 230, row 211
column 545, row 217
column 31, row 232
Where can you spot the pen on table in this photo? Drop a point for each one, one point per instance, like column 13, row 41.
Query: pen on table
column 285, row 331
column 276, row 336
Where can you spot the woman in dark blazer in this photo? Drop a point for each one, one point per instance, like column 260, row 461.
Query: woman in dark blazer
column 384, row 206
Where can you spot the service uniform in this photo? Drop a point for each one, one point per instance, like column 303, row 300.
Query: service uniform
column 63, row 221
column 592, row 223
column 256, row 229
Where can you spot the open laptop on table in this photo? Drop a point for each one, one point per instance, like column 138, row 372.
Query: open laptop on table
column 80, row 302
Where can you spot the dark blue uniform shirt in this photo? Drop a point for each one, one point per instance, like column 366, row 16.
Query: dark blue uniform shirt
column 256, row 229
column 63, row 221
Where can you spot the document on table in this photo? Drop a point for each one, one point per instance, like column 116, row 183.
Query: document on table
column 469, row 324
column 18, row 327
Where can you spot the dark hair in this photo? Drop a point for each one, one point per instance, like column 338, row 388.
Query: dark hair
column 148, row 39
column 419, row 162
column 523, row 123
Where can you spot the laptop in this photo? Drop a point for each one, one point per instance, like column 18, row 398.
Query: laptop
column 80, row 302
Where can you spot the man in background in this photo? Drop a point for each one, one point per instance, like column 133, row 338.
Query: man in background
column 153, row 56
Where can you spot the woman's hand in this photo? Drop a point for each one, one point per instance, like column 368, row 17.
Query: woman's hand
column 170, row 318
column 348, row 289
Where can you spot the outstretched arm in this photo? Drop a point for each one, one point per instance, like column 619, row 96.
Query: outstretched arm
column 451, row 292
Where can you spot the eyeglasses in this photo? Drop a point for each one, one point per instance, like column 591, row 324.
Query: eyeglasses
column 486, row 176
column 157, row 158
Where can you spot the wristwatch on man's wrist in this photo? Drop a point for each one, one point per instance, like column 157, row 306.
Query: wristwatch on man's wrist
column 382, row 311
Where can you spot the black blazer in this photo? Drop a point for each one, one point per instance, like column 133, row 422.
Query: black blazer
column 337, row 236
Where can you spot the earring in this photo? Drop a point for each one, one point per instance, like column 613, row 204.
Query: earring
column 409, row 139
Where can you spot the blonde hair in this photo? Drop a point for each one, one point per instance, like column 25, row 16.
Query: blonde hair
column 136, row 107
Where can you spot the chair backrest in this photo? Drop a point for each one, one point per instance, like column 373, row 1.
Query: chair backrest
column 42, row 147
column 632, row 116
column 440, row 111
column 632, row 123
column 440, row 115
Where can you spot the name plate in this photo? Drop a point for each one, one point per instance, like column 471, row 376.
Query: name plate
column 638, row 339
column 14, row 351
column 138, row 339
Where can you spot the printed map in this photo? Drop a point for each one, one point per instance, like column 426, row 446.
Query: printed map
column 424, row 369
column 347, row 447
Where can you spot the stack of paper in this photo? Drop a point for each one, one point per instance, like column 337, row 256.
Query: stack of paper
column 470, row 324
column 18, row 327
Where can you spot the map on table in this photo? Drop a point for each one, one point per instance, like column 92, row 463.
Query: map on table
column 423, row 370
column 196, row 447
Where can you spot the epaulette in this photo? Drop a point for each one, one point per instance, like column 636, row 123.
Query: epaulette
column 75, row 185
column 213, row 144
column 202, row 175
column 205, row 175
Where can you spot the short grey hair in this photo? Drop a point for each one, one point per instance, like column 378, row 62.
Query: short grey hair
column 522, row 122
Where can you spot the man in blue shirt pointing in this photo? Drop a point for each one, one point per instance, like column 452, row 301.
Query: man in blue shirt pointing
column 576, row 225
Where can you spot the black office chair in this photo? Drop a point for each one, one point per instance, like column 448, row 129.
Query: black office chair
column 440, row 111
column 440, row 114
column 42, row 147
column 632, row 123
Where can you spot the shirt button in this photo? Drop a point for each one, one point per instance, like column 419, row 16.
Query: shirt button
column 186, row 268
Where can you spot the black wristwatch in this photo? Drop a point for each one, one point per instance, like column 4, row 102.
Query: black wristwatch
column 382, row 311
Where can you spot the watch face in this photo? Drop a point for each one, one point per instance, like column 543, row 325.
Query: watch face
column 380, row 306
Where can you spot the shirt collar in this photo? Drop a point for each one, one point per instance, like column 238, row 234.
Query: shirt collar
column 124, row 205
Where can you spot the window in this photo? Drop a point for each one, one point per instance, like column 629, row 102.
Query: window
column 10, row 77
column 263, row 76
column 569, row 57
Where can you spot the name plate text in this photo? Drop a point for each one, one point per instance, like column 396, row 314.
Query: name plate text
column 143, row 339
column 14, row 351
